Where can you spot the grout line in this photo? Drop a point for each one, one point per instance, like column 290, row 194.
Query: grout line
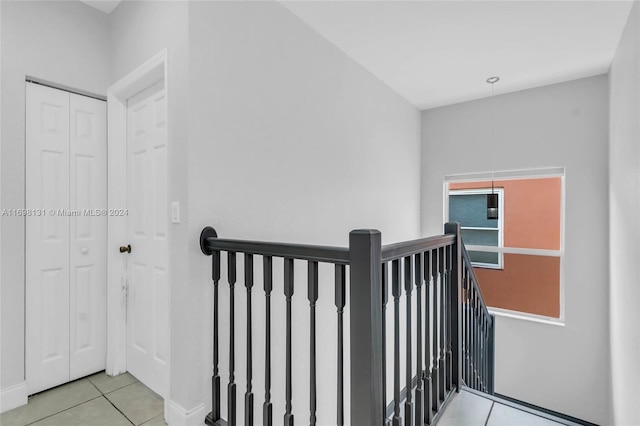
column 66, row 409
column 118, row 410
column 93, row 384
column 490, row 410
column 120, row 388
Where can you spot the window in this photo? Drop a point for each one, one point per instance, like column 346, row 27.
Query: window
column 469, row 209
column 517, row 258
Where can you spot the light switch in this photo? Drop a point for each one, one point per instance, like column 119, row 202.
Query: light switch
column 175, row 212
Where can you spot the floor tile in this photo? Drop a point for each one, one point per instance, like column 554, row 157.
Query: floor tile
column 106, row 384
column 137, row 402
column 466, row 409
column 50, row 402
column 156, row 421
column 97, row 412
column 502, row 415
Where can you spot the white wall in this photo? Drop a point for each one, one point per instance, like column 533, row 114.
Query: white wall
column 565, row 369
column 65, row 43
column 290, row 140
column 624, row 208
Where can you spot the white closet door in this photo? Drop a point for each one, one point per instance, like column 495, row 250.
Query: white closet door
column 66, row 241
column 47, row 238
column 148, row 300
column 88, row 231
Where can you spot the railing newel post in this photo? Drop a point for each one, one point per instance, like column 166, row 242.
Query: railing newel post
column 455, row 294
column 365, row 310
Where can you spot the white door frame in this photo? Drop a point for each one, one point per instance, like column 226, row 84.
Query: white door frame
column 149, row 73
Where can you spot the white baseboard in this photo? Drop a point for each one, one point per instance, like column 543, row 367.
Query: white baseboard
column 176, row 415
column 13, row 396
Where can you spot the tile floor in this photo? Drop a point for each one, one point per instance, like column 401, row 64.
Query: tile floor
column 97, row 400
column 470, row 409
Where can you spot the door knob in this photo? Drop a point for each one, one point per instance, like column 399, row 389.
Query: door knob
column 125, row 249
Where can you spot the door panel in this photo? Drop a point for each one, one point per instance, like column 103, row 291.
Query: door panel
column 47, row 238
column 88, row 250
column 66, row 243
column 148, row 296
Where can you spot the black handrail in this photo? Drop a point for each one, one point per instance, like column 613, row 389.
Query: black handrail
column 407, row 248
column 328, row 254
column 474, row 280
column 457, row 348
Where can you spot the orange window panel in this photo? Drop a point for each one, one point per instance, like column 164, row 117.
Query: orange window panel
column 527, row 283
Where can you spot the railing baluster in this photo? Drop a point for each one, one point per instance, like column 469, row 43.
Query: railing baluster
column 481, row 347
column 215, row 379
column 465, row 313
column 443, row 324
column 492, row 354
column 470, row 309
column 208, row 232
column 340, row 293
column 267, row 407
column 435, row 373
column 428, row 392
column 450, row 331
column 475, row 341
column 445, row 320
column 419, row 361
column 385, row 299
column 396, row 290
column 408, row 286
column 288, row 292
column 472, row 339
column 479, row 343
column 231, row 388
column 312, row 295
column 485, row 353
column 481, row 350
column 248, row 395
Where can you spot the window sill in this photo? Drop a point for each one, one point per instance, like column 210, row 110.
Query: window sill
column 558, row 322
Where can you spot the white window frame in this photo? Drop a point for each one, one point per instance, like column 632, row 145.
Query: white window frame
column 484, row 191
column 545, row 172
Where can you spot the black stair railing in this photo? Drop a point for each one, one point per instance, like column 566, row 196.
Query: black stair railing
column 452, row 344
column 478, row 325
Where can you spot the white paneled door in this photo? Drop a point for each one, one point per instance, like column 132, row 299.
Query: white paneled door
column 88, row 248
column 65, row 236
column 148, row 286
